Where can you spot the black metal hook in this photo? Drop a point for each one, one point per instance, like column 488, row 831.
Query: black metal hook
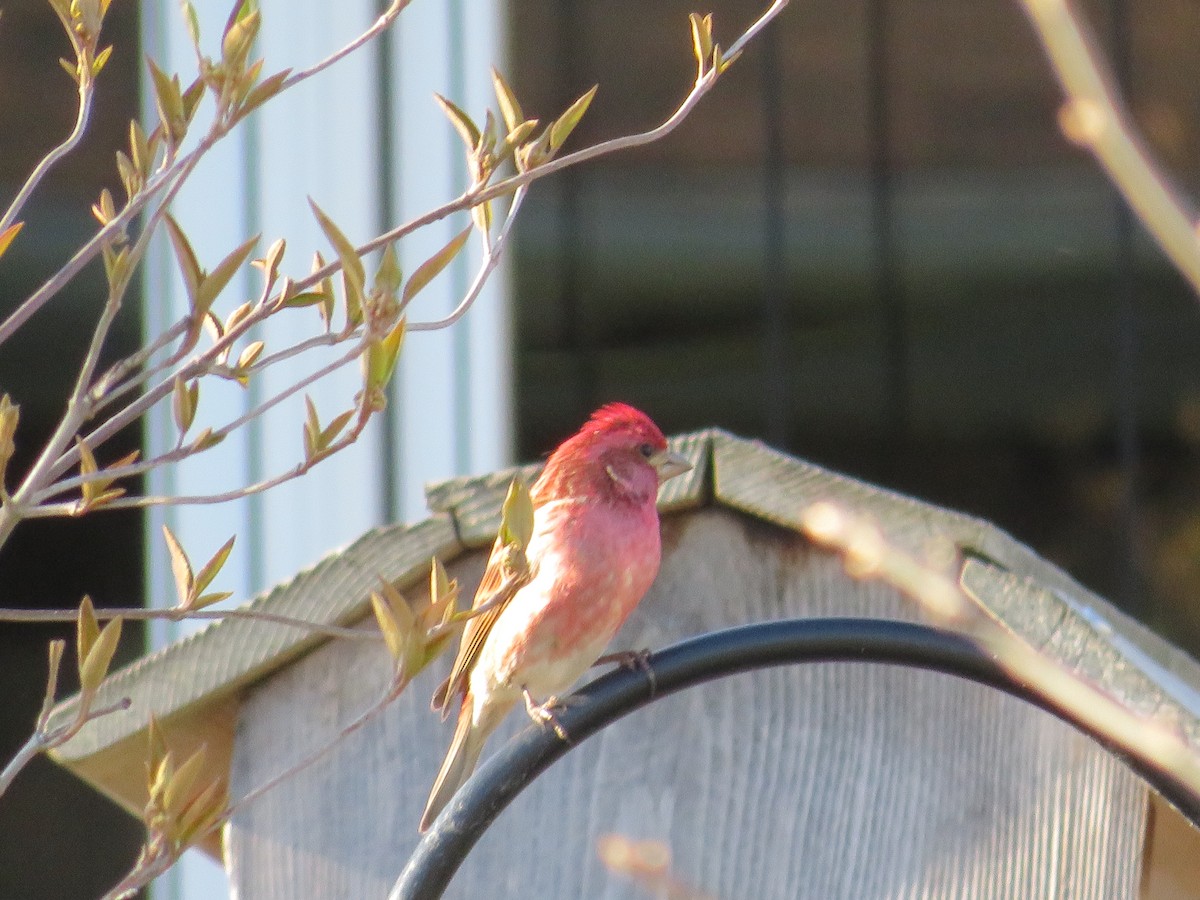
column 705, row 658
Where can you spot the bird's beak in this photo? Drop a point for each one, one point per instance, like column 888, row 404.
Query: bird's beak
column 669, row 465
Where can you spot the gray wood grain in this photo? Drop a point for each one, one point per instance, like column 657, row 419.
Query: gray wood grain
column 823, row 781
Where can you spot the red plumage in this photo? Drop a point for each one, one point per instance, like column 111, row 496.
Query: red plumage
column 594, row 553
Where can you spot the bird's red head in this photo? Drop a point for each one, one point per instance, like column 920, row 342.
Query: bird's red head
column 615, row 450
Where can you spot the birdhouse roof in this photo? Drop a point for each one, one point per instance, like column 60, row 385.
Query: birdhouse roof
column 192, row 687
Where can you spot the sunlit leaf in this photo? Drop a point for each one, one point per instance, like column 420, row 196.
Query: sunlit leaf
column 388, row 276
column 510, row 109
column 250, row 355
column 562, row 128
column 239, row 37
column 178, row 787
column 99, row 656
column 701, row 40
column 430, row 269
column 467, row 130
column 210, row 569
column 334, row 428
column 354, row 277
column 87, row 629
column 184, row 399
column 10, row 417
column 193, row 275
column 382, row 355
column 389, row 627
column 265, row 90
column 212, row 284
column 516, row 515
column 193, row 23
column 181, row 567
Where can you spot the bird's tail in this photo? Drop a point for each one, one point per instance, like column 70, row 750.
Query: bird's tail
column 460, row 761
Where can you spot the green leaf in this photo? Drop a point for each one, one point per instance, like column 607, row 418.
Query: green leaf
column 240, row 35
column 236, row 317
column 308, row 298
column 131, row 178
column 382, row 355
column 212, row 284
column 193, row 23
column 55, row 650
column 139, row 149
column 516, row 515
column 191, row 99
column 201, row 814
column 510, row 109
column 71, row 68
column 269, row 264
column 393, row 634
column 439, row 582
column 334, row 428
column 100, row 60
column 193, row 275
column 481, row 215
column 388, row 277
column 210, row 569
column 519, row 135
column 87, row 629
column 99, row 656
column 182, row 780
column 467, row 130
column 354, row 276
column 722, row 63
column 430, row 269
column 562, row 128
column 184, row 400
column 250, row 355
column 181, row 567
column 312, row 429
column 702, row 45
column 156, row 750
column 265, row 90
column 206, row 600
column 169, row 101
column 206, row 440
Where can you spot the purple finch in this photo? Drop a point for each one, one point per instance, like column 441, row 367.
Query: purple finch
column 593, row 553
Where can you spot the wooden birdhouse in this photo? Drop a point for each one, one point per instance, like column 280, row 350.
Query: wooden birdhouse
column 821, row 781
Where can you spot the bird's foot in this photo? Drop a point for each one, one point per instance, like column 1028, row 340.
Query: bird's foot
column 634, row 661
column 543, row 713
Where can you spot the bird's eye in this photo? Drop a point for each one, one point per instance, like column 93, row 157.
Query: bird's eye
column 647, row 450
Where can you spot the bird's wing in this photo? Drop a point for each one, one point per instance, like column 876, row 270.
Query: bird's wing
column 495, row 591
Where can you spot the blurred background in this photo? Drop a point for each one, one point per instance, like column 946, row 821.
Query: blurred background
column 870, row 247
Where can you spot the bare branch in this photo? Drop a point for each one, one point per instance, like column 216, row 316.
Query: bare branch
column 87, row 92
column 1094, row 117
column 493, row 250
column 173, row 614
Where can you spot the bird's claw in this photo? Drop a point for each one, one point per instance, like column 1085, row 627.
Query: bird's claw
column 634, row 661
column 543, row 714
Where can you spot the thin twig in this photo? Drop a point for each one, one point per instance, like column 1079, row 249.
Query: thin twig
column 51, row 159
column 868, row 554
column 477, row 196
column 1095, row 118
column 174, row 614
column 493, row 251
column 153, row 186
column 393, row 691
column 42, row 740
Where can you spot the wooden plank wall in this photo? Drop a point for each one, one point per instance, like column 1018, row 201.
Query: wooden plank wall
column 823, row 782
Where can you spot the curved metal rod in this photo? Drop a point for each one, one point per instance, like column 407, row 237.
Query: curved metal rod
column 695, row 661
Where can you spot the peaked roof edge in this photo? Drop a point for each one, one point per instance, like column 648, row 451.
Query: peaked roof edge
column 183, row 684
